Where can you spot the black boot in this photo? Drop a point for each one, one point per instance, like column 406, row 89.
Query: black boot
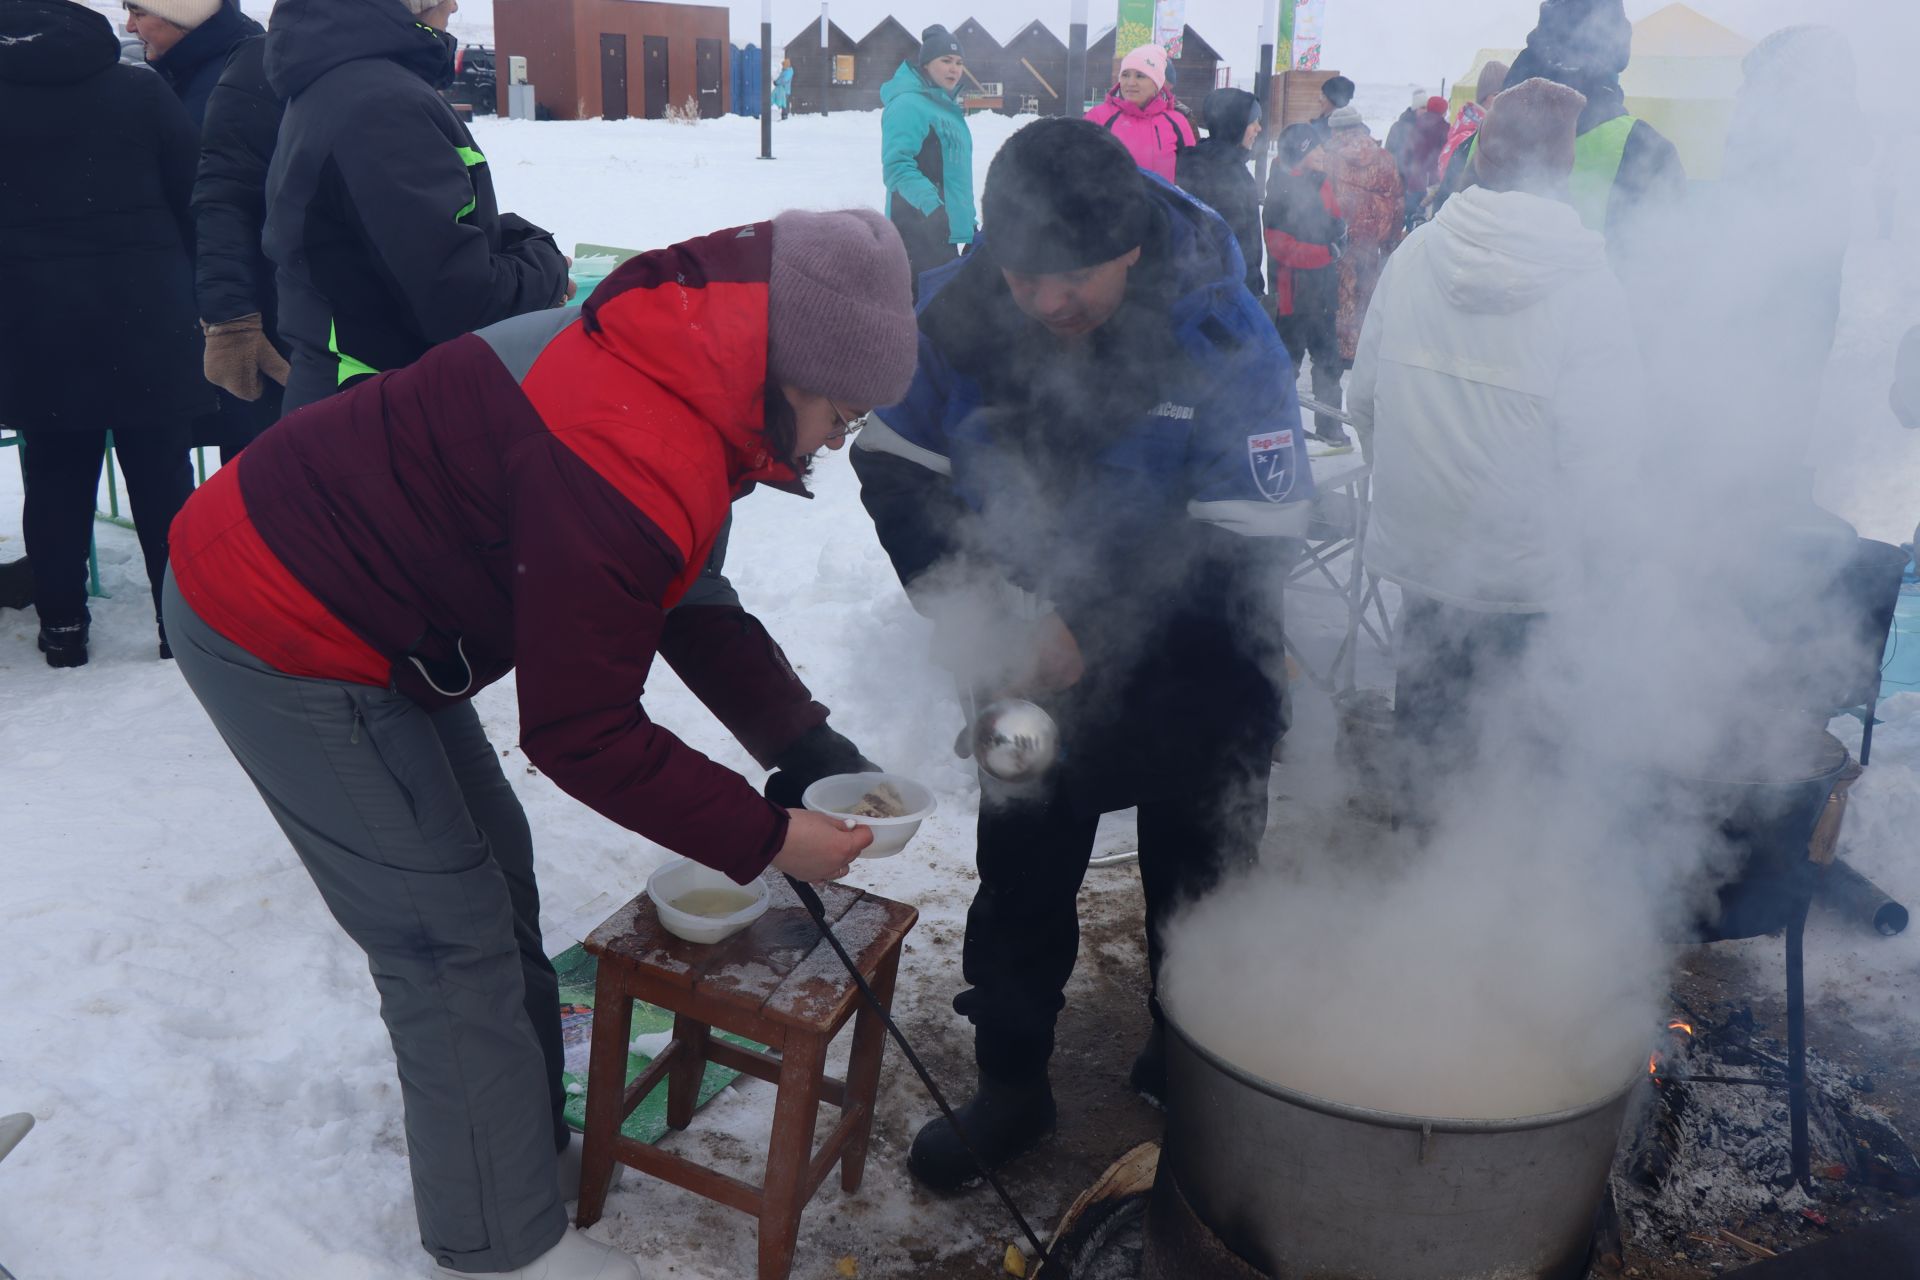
column 1148, row 1077
column 65, row 644
column 16, row 584
column 1003, row 1121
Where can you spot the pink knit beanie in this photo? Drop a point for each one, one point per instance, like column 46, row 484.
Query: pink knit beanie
column 1150, row 60
column 840, row 317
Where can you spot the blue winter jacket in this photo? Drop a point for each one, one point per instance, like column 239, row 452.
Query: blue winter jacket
column 1143, row 483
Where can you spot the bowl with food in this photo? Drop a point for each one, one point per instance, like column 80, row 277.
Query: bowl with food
column 703, row 905
column 892, row 806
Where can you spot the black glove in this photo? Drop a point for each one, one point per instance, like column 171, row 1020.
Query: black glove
column 819, row 753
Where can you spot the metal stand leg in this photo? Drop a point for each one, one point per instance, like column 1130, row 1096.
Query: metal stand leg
column 1866, row 734
column 1797, row 1043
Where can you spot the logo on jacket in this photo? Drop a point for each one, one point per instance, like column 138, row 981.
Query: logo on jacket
column 1270, row 454
column 1168, row 409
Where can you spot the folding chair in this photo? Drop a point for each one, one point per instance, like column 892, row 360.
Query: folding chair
column 1331, row 565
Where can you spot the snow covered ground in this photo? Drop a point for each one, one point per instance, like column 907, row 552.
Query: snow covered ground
column 200, row 1045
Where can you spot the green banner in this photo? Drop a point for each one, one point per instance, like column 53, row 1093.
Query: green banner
column 1283, row 41
column 1132, row 27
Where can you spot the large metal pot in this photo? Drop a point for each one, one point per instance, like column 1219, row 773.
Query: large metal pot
column 1307, row 1189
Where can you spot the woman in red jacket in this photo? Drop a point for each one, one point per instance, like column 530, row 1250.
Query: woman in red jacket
column 538, row 496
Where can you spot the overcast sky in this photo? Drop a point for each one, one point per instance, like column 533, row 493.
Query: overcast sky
column 1418, row 41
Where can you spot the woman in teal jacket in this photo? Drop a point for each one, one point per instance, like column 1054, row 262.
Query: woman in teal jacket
column 926, row 154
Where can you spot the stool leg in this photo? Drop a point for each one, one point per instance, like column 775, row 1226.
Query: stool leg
column 803, row 1060
column 863, row 1072
column 688, row 1070
column 606, row 1088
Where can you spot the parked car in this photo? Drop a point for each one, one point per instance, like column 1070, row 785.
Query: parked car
column 473, row 80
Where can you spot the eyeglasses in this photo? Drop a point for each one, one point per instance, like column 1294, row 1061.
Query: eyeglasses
column 843, row 428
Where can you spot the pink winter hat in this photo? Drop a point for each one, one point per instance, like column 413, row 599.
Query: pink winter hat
column 1150, row 60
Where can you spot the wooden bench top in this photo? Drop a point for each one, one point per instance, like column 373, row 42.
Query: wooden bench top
column 777, row 968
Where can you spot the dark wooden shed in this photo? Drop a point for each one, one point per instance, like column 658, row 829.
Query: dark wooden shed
column 986, row 60
column 616, row 58
column 1195, row 71
column 1036, row 70
column 876, row 58
column 823, row 79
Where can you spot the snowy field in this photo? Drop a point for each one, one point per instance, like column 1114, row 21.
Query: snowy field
column 200, row 1044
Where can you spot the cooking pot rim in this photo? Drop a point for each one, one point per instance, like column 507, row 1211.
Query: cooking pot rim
column 1395, row 1119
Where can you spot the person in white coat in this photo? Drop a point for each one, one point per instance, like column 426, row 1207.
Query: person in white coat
column 1495, row 362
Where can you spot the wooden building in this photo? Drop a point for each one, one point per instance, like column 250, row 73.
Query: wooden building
column 616, row 58
column 1195, row 71
column 986, row 63
column 1036, row 72
column 823, row 79
column 875, row 59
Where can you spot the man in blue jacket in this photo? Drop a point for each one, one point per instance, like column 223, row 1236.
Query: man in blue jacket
column 1092, row 487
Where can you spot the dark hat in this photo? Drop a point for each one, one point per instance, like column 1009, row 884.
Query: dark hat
column 1338, row 91
column 1061, row 195
column 1297, row 141
column 937, row 42
column 1579, row 38
column 1227, row 112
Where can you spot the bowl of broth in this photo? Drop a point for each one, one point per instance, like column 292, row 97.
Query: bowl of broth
column 703, row 905
column 891, row 805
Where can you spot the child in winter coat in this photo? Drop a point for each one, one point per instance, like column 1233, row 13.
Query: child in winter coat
column 1306, row 236
column 1216, row 173
column 926, row 154
column 783, row 88
column 1141, row 112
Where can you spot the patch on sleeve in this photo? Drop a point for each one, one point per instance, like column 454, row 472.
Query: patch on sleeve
column 1270, row 454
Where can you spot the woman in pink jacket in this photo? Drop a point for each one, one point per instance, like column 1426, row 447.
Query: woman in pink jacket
column 1141, row 112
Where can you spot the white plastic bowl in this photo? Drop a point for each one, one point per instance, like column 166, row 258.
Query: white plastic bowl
column 680, row 877
column 835, row 795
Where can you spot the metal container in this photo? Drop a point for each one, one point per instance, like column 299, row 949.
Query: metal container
column 1307, row 1189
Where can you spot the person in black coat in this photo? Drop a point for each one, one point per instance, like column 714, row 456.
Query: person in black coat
column 380, row 210
column 202, row 39
column 233, row 280
column 188, row 43
column 97, row 331
column 1216, row 172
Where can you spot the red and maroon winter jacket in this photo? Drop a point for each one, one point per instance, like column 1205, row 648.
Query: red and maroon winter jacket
column 536, row 496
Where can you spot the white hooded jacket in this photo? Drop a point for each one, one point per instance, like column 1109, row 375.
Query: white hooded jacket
column 1496, row 362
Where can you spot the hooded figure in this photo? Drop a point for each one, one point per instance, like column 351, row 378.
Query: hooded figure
column 545, row 497
column 1495, row 364
column 97, row 329
column 380, row 209
column 1216, row 172
column 1415, row 142
column 926, row 154
column 1626, row 175
column 1097, row 469
column 1140, row 111
column 1493, row 78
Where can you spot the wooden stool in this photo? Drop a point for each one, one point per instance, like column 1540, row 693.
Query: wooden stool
column 776, row 982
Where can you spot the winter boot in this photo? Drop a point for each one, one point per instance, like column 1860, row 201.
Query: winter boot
column 1004, row 1120
column 1328, row 446
column 16, row 584
column 1148, row 1076
column 65, row 644
column 574, row 1258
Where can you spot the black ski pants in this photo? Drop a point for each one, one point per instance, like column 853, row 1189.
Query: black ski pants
column 62, row 473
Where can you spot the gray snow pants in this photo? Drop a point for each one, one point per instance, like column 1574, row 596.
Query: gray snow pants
column 422, row 853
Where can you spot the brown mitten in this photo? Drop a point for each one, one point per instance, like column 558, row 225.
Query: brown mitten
column 238, row 353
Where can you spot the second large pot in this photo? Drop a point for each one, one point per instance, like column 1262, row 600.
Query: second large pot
column 1307, row 1189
